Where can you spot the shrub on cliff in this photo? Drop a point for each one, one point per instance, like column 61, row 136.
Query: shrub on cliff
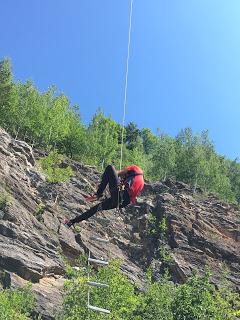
column 51, row 166
column 3, row 201
column 16, row 304
column 197, row 299
column 157, row 302
column 120, row 297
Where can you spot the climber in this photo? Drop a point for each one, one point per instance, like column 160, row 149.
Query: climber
column 124, row 186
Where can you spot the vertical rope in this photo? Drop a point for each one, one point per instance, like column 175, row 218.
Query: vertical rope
column 88, row 276
column 126, row 82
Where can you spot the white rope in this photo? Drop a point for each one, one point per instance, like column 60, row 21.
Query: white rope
column 88, row 276
column 123, row 122
column 126, row 82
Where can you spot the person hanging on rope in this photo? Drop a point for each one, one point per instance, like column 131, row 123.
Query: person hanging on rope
column 124, row 186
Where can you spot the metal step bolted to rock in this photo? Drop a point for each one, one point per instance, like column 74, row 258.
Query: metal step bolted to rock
column 96, row 284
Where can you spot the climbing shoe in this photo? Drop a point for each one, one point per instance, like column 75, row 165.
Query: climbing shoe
column 92, row 197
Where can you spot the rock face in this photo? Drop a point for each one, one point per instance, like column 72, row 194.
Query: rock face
column 201, row 232
column 170, row 226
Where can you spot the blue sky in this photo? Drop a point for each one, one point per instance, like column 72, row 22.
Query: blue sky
column 184, row 66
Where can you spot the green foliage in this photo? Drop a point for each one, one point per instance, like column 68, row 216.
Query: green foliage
column 199, row 300
column 120, row 297
column 8, row 97
column 198, row 164
column 132, row 135
column 163, row 300
column 149, row 141
column 48, row 120
column 165, row 256
column 163, row 158
column 157, row 227
column 5, row 199
column 163, row 226
column 233, row 174
column 102, row 146
column 158, row 301
column 136, row 155
column 39, row 211
column 77, row 229
column 16, row 304
column 193, row 151
column 152, row 229
column 74, row 143
column 51, row 167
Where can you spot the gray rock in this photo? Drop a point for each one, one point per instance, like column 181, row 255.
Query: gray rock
column 32, row 243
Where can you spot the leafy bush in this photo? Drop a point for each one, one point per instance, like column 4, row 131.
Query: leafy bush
column 163, row 227
column 152, row 229
column 163, row 300
column 39, row 212
column 48, row 120
column 51, row 167
column 157, row 302
column 157, row 228
column 16, row 304
column 4, row 200
column 120, row 297
column 199, row 300
column 165, row 256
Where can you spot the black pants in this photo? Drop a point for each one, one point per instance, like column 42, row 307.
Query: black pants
column 120, row 198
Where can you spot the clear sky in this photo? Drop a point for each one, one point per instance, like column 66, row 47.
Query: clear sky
column 184, row 66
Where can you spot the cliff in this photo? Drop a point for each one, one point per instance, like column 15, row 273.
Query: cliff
column 171, row 225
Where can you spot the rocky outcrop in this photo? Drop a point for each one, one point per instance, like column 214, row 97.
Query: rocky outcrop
column 171, row 226
column 201, row 232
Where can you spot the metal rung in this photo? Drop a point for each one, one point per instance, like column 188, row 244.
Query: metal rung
column 98, row 309
column 99, row 239
column 97, row 284
column 98, row 261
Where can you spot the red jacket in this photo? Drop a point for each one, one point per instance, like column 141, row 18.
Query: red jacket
column 134, row 182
